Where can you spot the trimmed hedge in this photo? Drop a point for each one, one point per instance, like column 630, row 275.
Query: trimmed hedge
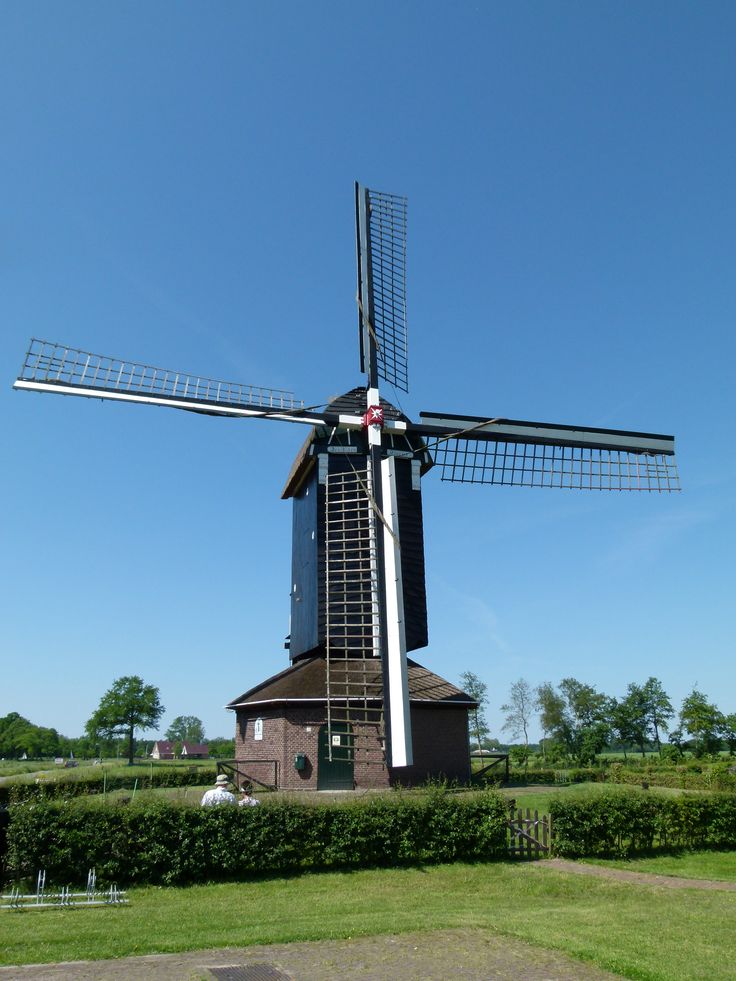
column 166, row 843
column 686, row 776
column 624, row 822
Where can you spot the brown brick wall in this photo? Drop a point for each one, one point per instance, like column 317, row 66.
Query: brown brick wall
column 284, row 735
column 440, row 739
column 440, row 742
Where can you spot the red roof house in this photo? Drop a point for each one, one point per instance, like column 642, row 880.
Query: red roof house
column 163, row 749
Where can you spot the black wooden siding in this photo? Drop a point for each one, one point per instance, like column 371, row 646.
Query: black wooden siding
column 308, row 599
column 307, row 523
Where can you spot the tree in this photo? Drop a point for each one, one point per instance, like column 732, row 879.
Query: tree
column 630, row 718
column 659, row 708
column 18, row 735
column 588, row 719
column 677, row 739
column 703, row 721
column 222, row 748
column 551, row 708
column 186, row 728
column 520, row 756
column 728, row 731
column 576, row 716
column 478, row 690
column 492, row 745
column 128, row 705
column 519, row 709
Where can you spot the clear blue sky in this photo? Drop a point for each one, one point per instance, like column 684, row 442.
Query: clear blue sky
column 177, row 189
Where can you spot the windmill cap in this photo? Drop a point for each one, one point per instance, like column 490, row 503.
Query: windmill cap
column 222, row 779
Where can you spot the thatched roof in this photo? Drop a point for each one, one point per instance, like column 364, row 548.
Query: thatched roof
column 306, row 681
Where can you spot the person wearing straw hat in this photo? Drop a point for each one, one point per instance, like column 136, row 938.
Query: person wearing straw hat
column 219, row 794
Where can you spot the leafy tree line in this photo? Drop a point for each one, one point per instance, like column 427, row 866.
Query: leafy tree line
column 18, row 736
column 578, row 722
column 128, row 707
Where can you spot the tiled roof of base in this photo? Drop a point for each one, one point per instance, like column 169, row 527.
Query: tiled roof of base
column 307, row 681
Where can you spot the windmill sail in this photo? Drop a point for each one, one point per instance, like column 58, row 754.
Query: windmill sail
column 531, row 454
column 381, row 231
column 358, row 599
column 50, row 367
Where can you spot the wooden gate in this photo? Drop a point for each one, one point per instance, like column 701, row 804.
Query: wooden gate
column 530, row 833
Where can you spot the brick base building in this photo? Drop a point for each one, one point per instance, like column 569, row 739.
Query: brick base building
column 281, row 725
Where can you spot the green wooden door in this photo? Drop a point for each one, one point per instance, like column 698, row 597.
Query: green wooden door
column 335, row 774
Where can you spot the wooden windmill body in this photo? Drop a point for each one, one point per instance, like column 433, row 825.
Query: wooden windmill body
column 358, row 601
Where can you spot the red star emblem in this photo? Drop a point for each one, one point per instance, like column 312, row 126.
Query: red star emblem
column 373, row 417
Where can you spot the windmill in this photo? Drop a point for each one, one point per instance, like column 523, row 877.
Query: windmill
column 358, row 597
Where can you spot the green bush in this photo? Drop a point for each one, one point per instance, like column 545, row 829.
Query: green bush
column 162, row 842
column 624, row 822
column 688, row 776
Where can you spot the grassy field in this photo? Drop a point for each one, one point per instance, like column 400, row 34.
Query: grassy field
column 539, row 797
column 532, row 796
column 636, row 931
column 689, row 865
column 27, row 771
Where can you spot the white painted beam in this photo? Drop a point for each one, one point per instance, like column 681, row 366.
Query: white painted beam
column 395, row 640
column 211, row 408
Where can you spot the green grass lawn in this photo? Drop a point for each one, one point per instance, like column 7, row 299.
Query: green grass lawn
column 47, row 771
column 636, row 931
column 191, row 795
column 689, row 865
column 539, row 797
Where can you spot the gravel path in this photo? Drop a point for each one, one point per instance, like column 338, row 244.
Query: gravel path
column 470, row 955
column 624, row 875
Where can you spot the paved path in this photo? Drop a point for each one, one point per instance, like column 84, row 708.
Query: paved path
column 469, row 955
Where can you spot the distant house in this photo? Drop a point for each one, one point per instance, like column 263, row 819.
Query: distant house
column 194, row 751
column 163, row 750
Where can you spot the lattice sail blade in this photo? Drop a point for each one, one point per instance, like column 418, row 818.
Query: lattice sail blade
column 477, row 461
column 50, row 367
column 470, row 449
column 381, row 233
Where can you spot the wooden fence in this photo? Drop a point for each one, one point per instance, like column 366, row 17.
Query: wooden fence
column 255, row 773
column 530, row 833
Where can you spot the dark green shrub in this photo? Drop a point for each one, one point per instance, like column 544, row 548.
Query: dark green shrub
column 624, row 822
column 161, row 842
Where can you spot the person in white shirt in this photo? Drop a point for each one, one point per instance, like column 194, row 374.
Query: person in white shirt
column 246, row 799
column 218, row 794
